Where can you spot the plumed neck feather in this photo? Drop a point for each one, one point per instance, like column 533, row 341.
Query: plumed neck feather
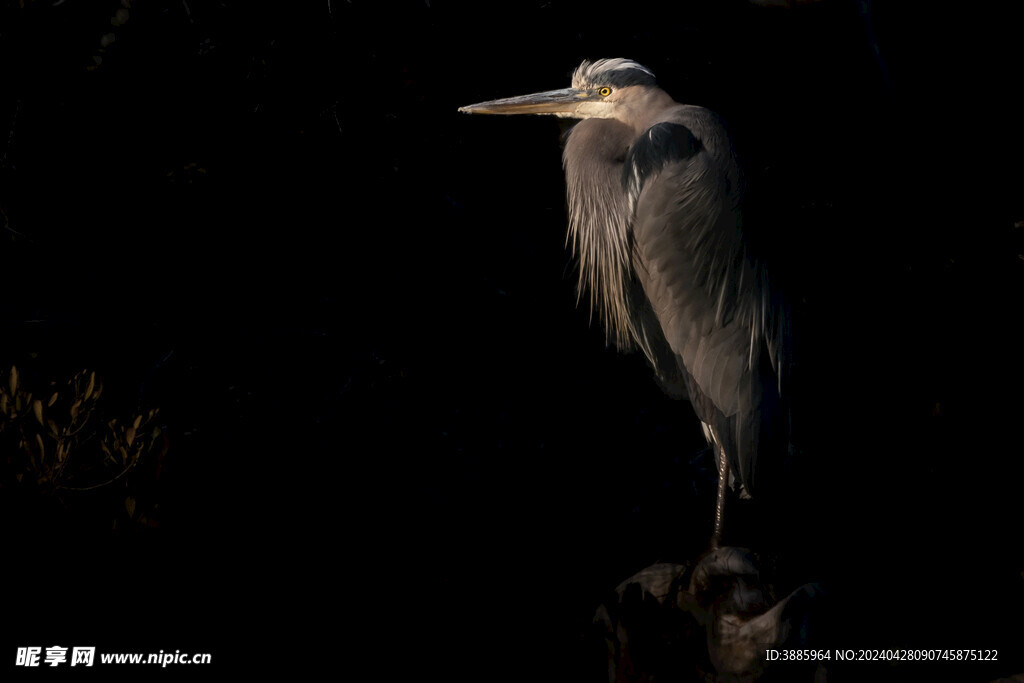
column 599, row 221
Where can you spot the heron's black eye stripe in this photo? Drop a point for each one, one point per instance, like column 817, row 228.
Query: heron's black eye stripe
column 623, row 77
column 605, row 92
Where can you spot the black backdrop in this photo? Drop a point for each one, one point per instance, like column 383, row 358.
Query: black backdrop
column 385, row 413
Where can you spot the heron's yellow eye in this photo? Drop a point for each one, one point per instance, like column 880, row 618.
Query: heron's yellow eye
column 605, row 92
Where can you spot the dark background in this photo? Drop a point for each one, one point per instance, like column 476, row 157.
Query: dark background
column 385, row 413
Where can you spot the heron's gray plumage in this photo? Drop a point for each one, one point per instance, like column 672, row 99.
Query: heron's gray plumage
column 659, row 214
column 655, row 220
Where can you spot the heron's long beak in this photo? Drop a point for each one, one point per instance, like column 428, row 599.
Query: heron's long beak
column 558, row 102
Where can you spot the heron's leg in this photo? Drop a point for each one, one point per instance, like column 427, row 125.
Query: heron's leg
column 723, row 482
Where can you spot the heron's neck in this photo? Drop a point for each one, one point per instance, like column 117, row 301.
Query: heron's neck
column 644, row 107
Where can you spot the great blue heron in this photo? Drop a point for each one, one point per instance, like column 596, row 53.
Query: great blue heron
column 654, row 191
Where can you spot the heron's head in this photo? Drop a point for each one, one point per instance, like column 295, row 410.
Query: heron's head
column 605, row 89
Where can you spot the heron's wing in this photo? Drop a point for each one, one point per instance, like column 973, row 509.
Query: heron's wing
column 709, row 297
column 646, row 332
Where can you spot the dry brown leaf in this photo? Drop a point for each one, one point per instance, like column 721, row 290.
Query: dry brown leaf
column 91, row 386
